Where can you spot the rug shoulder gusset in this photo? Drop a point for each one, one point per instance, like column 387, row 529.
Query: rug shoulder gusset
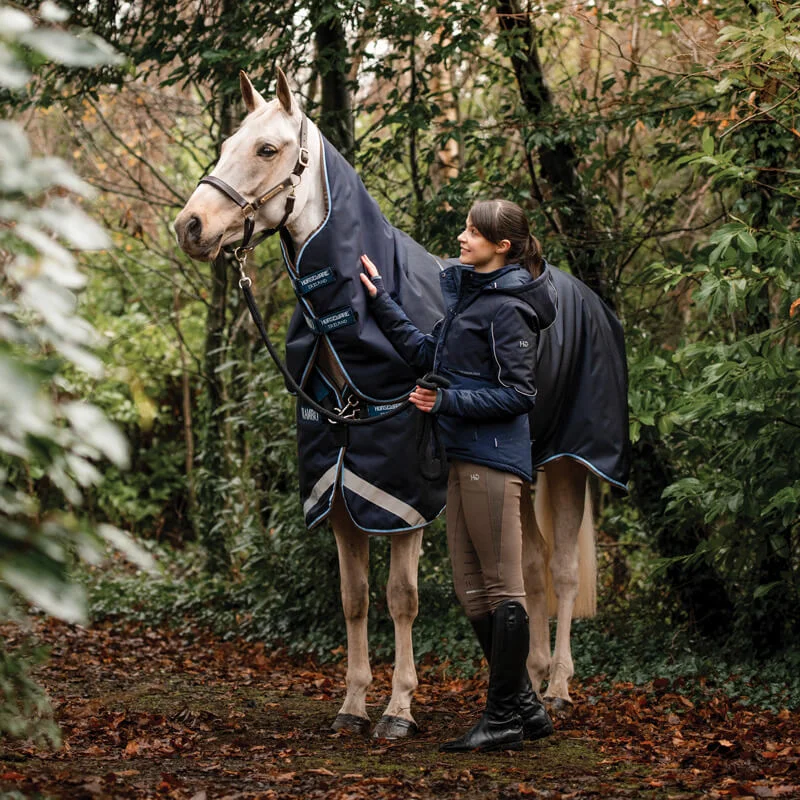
column 332, row 302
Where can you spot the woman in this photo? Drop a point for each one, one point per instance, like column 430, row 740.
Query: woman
column 497, row 301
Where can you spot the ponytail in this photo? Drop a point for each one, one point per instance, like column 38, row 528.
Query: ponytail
column 532, row 259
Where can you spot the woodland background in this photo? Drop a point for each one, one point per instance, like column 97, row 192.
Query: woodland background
column 655, row 147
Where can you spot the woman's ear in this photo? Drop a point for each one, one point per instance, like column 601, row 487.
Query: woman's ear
column 502, row 247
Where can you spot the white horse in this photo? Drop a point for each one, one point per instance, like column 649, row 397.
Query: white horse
column 209, row 222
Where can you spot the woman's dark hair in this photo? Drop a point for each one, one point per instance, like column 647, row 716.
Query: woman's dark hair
column 496, row 220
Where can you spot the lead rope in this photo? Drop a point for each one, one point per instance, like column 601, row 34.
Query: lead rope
column 430, row 450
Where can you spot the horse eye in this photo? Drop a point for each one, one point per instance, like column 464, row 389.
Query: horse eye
column 266, row 151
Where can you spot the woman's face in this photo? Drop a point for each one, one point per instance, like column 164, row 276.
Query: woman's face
column 477, row 250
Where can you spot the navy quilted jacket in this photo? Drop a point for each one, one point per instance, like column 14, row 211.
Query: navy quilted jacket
column 486, row 346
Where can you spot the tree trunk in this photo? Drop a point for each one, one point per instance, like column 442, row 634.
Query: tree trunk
column 213, row 447
column 186, row 397
column 214, row 437
column 336, row 112
column 559, row 162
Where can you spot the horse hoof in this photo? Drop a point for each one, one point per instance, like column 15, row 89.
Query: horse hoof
column 350, row 722
column 558, row 707
column 389, row 727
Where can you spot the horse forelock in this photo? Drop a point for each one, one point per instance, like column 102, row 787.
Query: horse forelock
column 263, row 115
column 238, row 163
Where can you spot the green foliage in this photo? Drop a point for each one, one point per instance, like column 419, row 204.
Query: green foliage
column 627, row 647
column 725, row 399
column 685, row 185
column 24, row 707
column 49, row 441
column 141, row 391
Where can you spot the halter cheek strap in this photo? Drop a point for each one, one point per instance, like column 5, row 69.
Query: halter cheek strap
column 250, row 207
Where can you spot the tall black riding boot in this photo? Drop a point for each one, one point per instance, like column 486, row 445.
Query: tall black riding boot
column 536, row 724
column 500, row 726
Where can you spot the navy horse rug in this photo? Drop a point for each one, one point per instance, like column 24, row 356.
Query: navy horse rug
column 375, row 466
column 581, row 409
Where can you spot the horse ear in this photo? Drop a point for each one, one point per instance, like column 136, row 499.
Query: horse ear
column 285, row 93
column 252, row 99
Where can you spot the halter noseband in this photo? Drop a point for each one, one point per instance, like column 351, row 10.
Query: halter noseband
column 250, row 207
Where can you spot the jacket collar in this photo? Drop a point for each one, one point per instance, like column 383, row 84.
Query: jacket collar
column 460, row 279
column 513, row 279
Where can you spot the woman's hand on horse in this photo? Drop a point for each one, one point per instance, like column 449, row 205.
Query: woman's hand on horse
column 372, row 272
column 423, row 399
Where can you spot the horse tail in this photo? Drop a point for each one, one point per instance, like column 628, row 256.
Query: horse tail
column 586, row 601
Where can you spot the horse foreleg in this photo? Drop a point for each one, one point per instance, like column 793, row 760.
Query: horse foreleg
column 534, row 564
column 566, row 480
column 401, row 593
column 353, row 547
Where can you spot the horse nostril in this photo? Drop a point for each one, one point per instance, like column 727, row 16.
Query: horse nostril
column 194, row 227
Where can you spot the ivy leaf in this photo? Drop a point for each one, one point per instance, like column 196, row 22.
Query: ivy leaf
column 747, row 242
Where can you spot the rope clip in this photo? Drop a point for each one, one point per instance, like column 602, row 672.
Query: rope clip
column 240, row 254
column 350, row 409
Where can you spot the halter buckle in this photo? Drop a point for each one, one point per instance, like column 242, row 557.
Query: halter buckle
column 302, row 157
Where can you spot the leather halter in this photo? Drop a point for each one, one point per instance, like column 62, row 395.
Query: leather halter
column 250, row 207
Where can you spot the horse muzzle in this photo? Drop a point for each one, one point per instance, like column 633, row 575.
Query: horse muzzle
column 194, row 238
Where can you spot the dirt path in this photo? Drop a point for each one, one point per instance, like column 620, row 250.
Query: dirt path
column 156, row 714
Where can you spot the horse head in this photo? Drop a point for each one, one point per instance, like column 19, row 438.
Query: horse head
column 257, row 182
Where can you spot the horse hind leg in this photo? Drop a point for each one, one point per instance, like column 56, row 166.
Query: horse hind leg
column 534, row 567
column 401, row 593
column 567, row 489
column 353, row 547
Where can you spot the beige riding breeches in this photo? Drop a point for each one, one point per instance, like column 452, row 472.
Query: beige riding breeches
column 484, row 536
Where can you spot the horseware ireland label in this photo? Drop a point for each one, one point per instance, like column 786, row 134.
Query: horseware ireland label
column 314, row 280
column 383, row 408
column 332, row 321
